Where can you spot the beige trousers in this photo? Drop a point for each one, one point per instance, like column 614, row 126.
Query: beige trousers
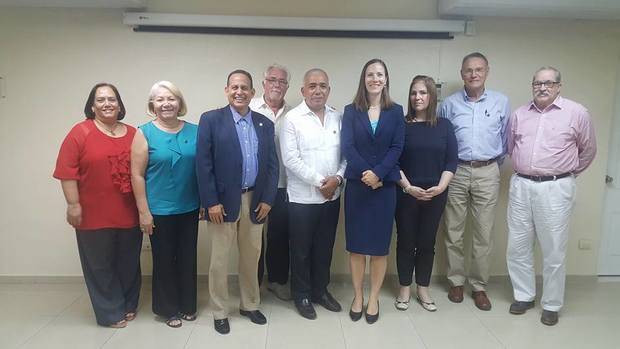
column 249, row 239
column 472, row 191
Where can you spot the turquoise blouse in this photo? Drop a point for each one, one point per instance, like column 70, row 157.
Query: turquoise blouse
column 171, row 184
column 373, row 126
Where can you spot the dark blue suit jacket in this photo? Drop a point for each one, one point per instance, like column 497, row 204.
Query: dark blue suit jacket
column 219, row 163
column 378, row 152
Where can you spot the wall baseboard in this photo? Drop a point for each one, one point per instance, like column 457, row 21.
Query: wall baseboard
column 335, row 278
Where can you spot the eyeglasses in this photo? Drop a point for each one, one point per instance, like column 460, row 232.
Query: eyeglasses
column 471, row 72
column 274, row 81
column 548, row 84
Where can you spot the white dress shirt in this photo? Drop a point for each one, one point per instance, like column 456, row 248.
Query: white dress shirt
column 259, row 105
column 310, row 152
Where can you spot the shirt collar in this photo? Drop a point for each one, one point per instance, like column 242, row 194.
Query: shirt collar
column 237, row 117
column 306, row 110
column 557, row 103
column 466, row 98
column 263, row 104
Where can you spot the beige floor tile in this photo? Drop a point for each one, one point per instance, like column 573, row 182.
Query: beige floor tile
column 570, row 332
column 55, row 315
column 393, row 330
column 461, row 332
column 16, row 330
column 243, row 335
column 70, row 332
column 285, row 324
column 146, row 331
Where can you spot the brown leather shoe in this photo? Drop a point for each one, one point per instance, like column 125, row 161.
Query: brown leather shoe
column 481, row 300
column 455, row 294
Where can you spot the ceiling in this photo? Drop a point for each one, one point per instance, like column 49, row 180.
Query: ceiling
column 567, row 9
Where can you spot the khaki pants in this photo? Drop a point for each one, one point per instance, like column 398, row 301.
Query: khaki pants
column 249, row 239
column 472, row 191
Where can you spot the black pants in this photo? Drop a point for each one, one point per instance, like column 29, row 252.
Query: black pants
column 416, row 227
column 277, row 254
column 173, row 244
column 313, row 231
column 111, row 265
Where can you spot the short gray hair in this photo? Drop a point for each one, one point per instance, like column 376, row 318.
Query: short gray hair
column 558, row 75
column 279, row 67
column 315, row 71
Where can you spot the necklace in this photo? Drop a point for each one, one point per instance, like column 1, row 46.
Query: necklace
column 372, row 107
column 109, row 130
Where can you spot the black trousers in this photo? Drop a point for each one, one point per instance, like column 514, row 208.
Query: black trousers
column 313, row 231
column 416, row 228
column 173, row 244
column 276, row 252
column 111, row 265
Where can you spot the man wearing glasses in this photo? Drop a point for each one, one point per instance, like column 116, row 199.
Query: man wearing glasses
column 551, row 140
column 479, row 117
column 273, row 105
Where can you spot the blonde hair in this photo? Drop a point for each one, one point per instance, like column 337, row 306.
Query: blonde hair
column 174, row 90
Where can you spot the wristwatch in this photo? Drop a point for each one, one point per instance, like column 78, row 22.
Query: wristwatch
column 340, row 180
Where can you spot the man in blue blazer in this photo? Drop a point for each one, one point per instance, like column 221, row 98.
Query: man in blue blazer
column 237, row 169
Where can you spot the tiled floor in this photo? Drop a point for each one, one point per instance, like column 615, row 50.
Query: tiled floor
column 59, row 316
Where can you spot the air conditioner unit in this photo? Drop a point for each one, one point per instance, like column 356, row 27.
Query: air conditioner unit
column 569, row 9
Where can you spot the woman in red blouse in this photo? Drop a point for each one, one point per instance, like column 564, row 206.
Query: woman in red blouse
column 93, row 169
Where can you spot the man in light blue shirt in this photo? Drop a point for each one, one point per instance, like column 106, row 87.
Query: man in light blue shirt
column 479, row 117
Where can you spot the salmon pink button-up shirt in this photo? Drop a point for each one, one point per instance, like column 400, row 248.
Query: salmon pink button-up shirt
column 553, row 141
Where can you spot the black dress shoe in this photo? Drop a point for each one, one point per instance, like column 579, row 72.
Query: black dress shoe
column 519, row 307
column 221, row 326
column 305, row 308
column 328, row 302
column 371, row 319
column 255, row 316
column 355, row 315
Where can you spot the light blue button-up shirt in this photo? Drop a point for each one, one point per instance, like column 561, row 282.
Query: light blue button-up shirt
column 249, row 147
column 480, row 126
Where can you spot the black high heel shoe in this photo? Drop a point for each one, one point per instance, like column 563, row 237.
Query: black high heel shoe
column 355, row 315
column 371, row 319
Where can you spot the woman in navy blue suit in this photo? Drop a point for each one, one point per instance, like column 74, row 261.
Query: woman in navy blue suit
column 373, row 132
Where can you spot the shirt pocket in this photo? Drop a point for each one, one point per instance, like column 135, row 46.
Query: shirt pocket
column 558, row 137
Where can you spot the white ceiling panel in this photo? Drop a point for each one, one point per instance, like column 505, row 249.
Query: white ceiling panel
column 569, row 9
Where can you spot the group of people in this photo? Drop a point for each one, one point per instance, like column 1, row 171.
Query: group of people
column 259, row 160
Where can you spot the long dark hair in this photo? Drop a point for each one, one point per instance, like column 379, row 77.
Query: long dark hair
column 88, row 108
column 361, row 97
column 431, row 88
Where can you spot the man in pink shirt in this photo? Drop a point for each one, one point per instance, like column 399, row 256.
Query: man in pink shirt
column 551, row 140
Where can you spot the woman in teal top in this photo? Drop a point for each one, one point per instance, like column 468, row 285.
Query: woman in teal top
column 163, row 175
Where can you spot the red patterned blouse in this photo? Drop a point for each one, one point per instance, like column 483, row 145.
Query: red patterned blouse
column 100, row 164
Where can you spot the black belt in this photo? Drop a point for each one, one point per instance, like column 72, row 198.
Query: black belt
column 477, row 163
column 544, row 178
column 245, row 190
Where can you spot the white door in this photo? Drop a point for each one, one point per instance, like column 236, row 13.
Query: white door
column 609, row 252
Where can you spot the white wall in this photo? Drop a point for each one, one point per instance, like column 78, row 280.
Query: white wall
column 50, row 58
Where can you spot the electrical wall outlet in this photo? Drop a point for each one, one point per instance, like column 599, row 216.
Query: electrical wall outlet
column 585, row 244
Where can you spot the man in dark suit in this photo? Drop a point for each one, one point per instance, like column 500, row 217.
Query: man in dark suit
column 237, row 170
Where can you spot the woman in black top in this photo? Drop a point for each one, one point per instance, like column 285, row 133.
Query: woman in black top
column 428, row 162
